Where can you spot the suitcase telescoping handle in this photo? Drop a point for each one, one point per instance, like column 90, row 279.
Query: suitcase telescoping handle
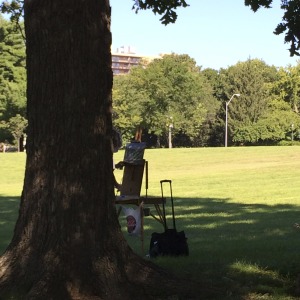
column 172, row 203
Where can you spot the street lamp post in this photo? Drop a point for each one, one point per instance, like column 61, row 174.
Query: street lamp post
column 226, row 118
column 292, row 133
column 170, row 135
column 170, row 131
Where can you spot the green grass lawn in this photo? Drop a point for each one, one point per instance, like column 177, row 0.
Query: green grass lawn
column 237, row 207
column 12, row 166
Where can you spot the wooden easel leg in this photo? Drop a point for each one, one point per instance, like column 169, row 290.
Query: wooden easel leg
column 142, row 227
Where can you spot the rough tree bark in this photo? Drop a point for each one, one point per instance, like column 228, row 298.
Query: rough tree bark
column 67, row 242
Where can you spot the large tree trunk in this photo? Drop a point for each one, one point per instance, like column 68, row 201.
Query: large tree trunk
column 67, row 242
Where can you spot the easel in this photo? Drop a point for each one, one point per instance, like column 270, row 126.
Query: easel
column 130, row 194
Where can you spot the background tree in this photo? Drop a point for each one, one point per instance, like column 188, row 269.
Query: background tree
column 170, row 90
column 164, row 8
column 216, row 80
column 12, row 77
column 287, row 87
column 250, row 79
column 126, row 111
column 17, row 127
column 290, row 21
column 277, row 123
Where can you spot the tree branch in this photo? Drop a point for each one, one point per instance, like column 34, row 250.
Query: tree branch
column 164, row 8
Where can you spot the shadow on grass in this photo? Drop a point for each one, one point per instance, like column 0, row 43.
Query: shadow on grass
column 9, row 208
column 240, row 248
column 246, row 251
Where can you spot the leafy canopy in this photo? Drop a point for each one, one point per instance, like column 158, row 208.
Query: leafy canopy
column 290, row 21
column 163, row 7
column 12, row 77
column 170, row 91
column 167, row 9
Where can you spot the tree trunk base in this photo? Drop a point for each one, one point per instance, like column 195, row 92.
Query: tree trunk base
column 140, row 279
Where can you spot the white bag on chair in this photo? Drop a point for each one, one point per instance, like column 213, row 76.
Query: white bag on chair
column 134, row 220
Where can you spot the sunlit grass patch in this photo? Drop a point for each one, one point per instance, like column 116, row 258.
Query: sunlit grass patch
column 258, row 282
column 253, row 272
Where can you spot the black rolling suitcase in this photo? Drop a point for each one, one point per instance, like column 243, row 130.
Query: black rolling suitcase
column 171, row 242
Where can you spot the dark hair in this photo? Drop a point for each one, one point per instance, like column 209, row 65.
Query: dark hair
column 116, row 139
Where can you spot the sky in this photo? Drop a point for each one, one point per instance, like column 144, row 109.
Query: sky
column 216, row 33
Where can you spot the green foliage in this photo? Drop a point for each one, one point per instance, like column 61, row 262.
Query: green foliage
column 290, row 21
column 272, row 127
column 249, row 79
column 287, row 87
column 256, row 4
column 17, row 126
column 216, row 81
column 167, row 9
column 126, row 113
column 12, row 77
column 174, row 91
column 161, row 7
column 167, row 92
column 252, row 80
column 173, row 86
column 290, row 25
column 15, row 10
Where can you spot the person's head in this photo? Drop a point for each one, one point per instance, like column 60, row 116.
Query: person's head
column 116, row 140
